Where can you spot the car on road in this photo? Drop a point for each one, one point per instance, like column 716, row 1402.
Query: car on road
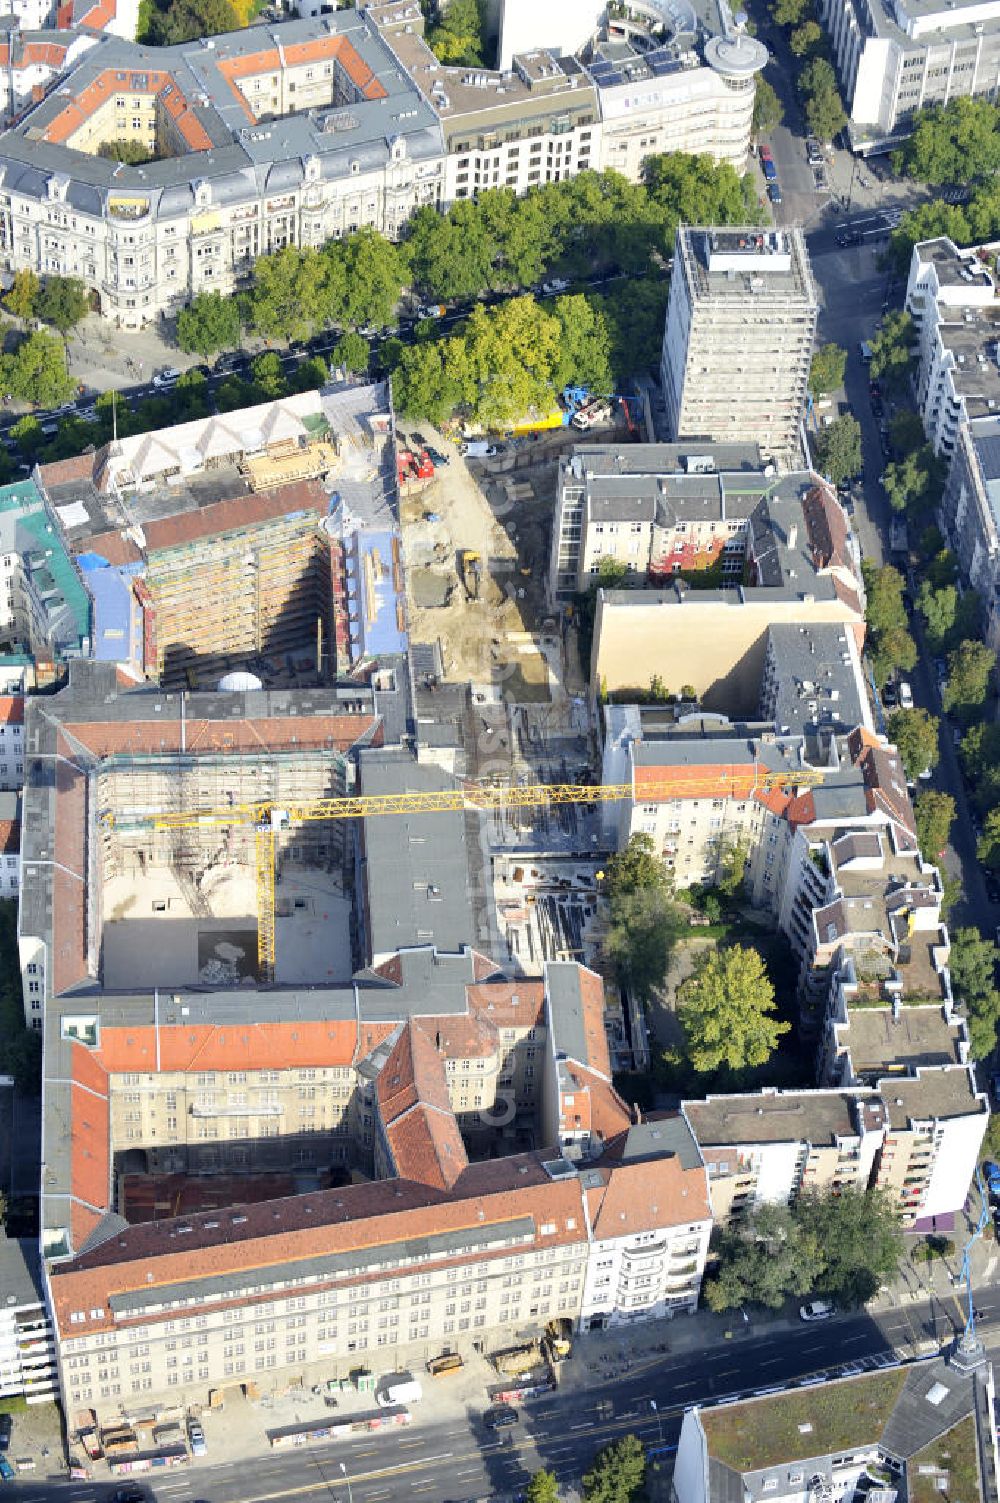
column 557, row 284
column 167, row 377
column 774, row 191
column 814, row 150
column 131, row 1494
column 6, row 1428
column 500, row 1417
column 196, row 1439
column 820, row 179
column 819, row 1309
column 848, row 237
column 905, row 695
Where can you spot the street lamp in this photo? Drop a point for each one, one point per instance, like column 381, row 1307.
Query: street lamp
column 659, row 1420
column 347, row 1479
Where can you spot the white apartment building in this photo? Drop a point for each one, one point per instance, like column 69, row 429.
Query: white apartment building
column 637, row 1270
column 11, row 742
column 738, row 341
column 969, row 515
column 27, row 1340
column 895, row 57
column 952, row 298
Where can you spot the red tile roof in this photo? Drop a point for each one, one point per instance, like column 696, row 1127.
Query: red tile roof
column 11, row 709
column 641, row 1196
column 10, row 837
column 105, row 738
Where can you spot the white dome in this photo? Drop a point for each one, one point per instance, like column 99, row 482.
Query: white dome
column 239, row 683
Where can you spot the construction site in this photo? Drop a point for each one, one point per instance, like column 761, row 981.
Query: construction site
column 211, row 547
column 475, row 541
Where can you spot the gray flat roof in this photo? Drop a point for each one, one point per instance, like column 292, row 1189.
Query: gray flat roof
column 773, row 1117
column 418, row 888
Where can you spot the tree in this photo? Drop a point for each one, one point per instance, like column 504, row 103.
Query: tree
column 352, row 352
column 458, row 36
column 823, row 108
column 938, row 608
column 209, row 323
column 826, row 373
column 972, row 963
column 187, row 20
column 789, row 12
column 373, row 272
column 805, row 38
column 762, row 1259
column 839, row 449
column 62, row 302
column 890, row 644
column 618, row 1472
column 890, row 346
column 269, row 378
column 644, row 921
column 727, row 1011
column 20, row 299
column 954, row 143
column 585, row 344
column 914, row 483
column 767, row 109
column 36, row 371
column 988, row 844
column 934, row 813
column 732, row 866
column 892, row 651
column 132, row 153
column 970, row 665
column 542, row 1488
column 30, row 438
column 915, row 735
column 860, row 1236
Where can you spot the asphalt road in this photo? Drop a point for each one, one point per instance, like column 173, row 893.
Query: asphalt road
column 462, row 1460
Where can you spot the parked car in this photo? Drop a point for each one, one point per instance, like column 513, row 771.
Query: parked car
column 819, row 1309
column 774, row 191
column 7, row 1473
column 557, row 284
column 500, row 1417
column 6, row 1428
column 767, row 164
column 196, row 1439
column 167, row 377
column 905, row 695
column 436, row 457
column 131, row 1494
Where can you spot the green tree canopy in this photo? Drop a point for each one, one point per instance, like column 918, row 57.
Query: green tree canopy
column 374, row 272
column 805, row 38
column 762, row 1259
column 935, row 814
column 20, row 298
column 820, row 1245
column 958, row 142
column 826, row 373
column 860, row 1235
column 972, row 964
column 727, row 1011
column 970, row 665
column 915, row 735
column 644, row 921
column 618, row 1473
column 838, row 450
column 988, row 844
column 352, row 352
column 789, row 12
column 890, row 346
column 36, row 371
column 914, row 483
column 458, row 37
column 62, row 302
column 889, row 642
column 209, row 323
column 823, row 108
column 543, row 1487
column 938, row 608
column 767, row 108
column 188, row 20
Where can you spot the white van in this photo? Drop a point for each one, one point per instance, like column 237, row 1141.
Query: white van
column 401, row 1388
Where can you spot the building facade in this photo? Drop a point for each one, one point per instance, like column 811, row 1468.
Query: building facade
column 739, row 335
column 27, row 1340
column 894, row 59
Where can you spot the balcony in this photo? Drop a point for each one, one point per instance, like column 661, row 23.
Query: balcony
column 254, row 1109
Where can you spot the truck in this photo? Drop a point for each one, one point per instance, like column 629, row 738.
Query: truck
column 593, row 413
column 478, row 448
column 448, row 1362
column 401, row 1388
column 472, row 570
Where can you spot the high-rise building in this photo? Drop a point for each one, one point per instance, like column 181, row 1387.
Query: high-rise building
column 739, row 336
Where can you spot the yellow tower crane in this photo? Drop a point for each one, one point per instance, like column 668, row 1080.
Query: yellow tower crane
column 267, row 818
